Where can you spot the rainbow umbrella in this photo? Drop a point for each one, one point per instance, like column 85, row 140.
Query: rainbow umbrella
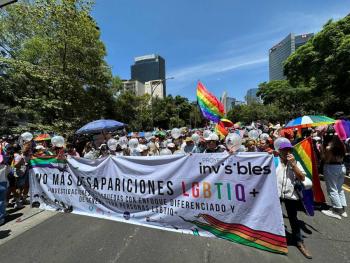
column 309, row 121
column 42, row 137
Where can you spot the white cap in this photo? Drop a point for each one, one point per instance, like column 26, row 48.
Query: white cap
column 39, row 147
column 171, row 145
column 212, row 137
column 142, row 148
column 27, row 136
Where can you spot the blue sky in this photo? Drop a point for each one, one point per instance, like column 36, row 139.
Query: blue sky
column 223, row 43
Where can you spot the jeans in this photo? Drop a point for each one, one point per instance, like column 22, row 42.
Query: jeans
column 334, row 177
column 3, row 192
column 291, row 208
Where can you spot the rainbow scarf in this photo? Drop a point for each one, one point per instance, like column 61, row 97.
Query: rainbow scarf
column 242, row 234
column 304, row 153
column 48, row 161
column 211, row 108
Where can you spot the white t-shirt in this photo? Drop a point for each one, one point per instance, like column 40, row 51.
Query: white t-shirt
column 286, row 181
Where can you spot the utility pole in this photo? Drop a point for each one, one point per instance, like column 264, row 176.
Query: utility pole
column 152, row 91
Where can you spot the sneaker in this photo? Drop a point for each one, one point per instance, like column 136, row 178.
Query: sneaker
column 18, row 205
column 304, row 250
column 331, row 213
column 344, row 214
column 25, row 202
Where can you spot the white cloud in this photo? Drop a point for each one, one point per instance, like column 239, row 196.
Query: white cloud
column 213, row 67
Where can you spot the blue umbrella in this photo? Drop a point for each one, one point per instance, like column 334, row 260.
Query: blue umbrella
column 100, row 125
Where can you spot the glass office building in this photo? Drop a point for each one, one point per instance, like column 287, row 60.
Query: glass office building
column 149, row 67
column 280, row 52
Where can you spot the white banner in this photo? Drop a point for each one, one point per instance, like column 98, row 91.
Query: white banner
column 233, row 197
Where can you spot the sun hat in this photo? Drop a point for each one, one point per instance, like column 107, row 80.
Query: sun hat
column 188, row 139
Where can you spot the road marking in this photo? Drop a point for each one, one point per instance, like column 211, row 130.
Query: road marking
column 346, row 188
column 30, row 218
column 127, row 241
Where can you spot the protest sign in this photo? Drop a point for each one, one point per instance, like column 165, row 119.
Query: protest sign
column 233, row 197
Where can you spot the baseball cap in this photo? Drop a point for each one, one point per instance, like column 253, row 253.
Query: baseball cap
column 212, row 137
column 39, row 147
column 285, row 145
column 171, row 145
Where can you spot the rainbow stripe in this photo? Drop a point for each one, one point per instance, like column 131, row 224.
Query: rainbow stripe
column 342, row 127
column 212, row 109
column 220, row 130
column 49, row 161
column 226, row 122
column 242, row 234
column 304, row 153
column 309, row 121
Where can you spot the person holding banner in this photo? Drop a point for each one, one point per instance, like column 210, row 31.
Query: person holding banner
column 288, row 172
column 213, row 144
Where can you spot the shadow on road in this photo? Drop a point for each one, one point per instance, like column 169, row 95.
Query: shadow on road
column 11, row 217
column 4, row 233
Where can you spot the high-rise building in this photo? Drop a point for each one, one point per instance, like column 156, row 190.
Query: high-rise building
column 134, row 86
column 281, row 51
column 251, row 96
column 228, row 102
column 149, row 67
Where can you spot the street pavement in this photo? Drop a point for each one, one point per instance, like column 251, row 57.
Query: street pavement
column 33, row 235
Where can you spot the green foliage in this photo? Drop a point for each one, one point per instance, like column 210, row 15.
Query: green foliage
column 257, row 111
column 177, row 111
column 53, row 75
column 323, row 64
column 296, row 100
column 53, row 71
column 318, row 75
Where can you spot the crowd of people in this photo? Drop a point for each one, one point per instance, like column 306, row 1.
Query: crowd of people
column 332, row 154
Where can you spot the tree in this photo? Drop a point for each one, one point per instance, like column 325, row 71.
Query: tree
column 295, row 100
column 324, row 64
column 53, row 71
column 257, row 111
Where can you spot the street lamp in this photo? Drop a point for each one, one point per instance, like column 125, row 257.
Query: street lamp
column 6, row 2
column 152, row 91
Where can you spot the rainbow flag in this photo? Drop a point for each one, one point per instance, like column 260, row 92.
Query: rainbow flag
column 211, row 108
column 242, row 234
column 299, row 133
column 304, row 153
column 226, row 122
column 342, row 127
column 220, row 130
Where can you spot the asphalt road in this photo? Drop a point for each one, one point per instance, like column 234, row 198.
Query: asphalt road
column 49, row 237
